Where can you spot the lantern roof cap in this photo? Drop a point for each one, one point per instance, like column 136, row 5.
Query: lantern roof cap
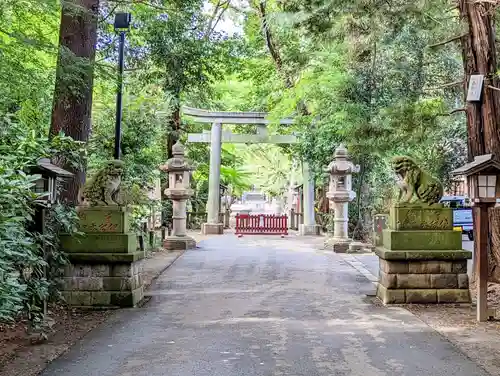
column 178, row 149
column 341, row 151
column 44, row 166
column 481, row 163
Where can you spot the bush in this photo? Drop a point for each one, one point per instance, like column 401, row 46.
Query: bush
column 30, row 262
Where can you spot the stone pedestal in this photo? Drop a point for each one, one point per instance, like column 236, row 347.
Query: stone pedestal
column 212, row 228
column 338, row 245
column 421, row 260
column 309, row 230
column 339, row 242
column 106, row 268
column 356, row 247
column 178, row 240
column 180, row 243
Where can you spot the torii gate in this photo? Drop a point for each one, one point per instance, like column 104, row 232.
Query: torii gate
column 216, row 137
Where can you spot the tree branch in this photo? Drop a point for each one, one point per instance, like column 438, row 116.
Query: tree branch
column 448, row 40
column 142, row 2
column 271, row 46
column 26, row 40
column 226, row 6
column 106, row 17
column 455, row 83
column 493, row 87
column 221, row 5
column 212, row 18
column 463, row 109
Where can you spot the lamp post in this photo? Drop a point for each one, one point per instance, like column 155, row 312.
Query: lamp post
column 122, row 25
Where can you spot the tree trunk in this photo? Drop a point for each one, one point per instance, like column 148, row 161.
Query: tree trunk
column 171, row 136
column 494, row 243
column 479, row 57
column 173, row 130
column 71, row 111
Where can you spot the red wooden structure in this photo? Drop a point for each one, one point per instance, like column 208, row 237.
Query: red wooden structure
column 261, row 224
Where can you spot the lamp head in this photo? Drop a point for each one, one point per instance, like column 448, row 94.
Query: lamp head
column 122, row 21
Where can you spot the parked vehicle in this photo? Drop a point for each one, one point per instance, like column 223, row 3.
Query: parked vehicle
column 462, row 214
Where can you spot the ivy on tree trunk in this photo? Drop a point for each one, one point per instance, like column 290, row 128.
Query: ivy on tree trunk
column 72, row 106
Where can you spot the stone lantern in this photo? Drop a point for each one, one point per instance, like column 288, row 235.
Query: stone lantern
column 483, row 187
column 482, row 179
column 179, row 191
column 340, row 194
column 49, row 175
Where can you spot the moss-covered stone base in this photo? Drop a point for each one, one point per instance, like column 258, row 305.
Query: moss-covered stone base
column 422, row 296
column 103, row 284
column 430, row 280
column 104, row 219
column 106, row 268
column 99, row 243
column 422, row 260
column 421, row 239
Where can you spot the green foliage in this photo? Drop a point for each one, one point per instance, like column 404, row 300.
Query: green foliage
column 29, row 261
column 17, row 250
column 144, row 119
column 365, row 77
column 28, row 52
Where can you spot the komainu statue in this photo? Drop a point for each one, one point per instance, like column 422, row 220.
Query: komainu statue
column 416, row 183
column 103, row 188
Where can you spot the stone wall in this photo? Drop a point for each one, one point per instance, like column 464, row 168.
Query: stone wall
column 431, row 281
column 103, row 285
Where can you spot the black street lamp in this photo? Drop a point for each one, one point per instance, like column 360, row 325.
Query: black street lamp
column 122, row 25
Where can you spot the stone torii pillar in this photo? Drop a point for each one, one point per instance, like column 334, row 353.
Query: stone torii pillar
column 309, row 227
column 213, row 226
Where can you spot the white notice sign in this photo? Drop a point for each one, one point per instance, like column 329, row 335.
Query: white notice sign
column 475, row 87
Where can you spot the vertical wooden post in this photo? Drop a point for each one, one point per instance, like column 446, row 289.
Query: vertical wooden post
column 481, row 213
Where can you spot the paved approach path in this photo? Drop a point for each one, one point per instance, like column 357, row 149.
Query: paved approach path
column 260, row 306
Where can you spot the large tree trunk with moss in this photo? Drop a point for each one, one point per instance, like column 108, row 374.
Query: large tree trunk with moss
column 483, row 117
column 71, row 112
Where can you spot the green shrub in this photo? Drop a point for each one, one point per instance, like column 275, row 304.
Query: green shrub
column 30, row 262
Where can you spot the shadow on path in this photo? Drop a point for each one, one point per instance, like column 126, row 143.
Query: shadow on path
column 262, row 306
